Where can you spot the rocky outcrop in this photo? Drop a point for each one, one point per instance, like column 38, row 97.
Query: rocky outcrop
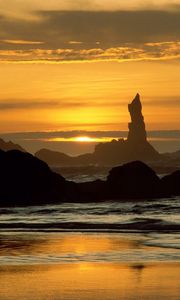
column 136, row 147
column 6, row 146
column 171, row 183
column 92, row 191
column 25, row 180
column 54, row 158
column 134, row 180
column 137, row 131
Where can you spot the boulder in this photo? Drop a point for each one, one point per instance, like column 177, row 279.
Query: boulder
column 26, row 180
column 92, row 191
column 171, row 183
column 134, row 180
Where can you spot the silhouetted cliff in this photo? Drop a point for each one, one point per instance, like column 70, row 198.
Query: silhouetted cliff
column 136, row 147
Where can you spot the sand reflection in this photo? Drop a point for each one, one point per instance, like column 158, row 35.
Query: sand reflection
column 79, row 278
column 19, row 244
column 90, row 281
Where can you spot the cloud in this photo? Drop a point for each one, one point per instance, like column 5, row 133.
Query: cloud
column 163, row 101
column 146, row 51
column 27, row 104
column 111, row 29
column 75, row 42
column 62, row 103
column 161, row 134
column 66, row 36
column 20, row 9
column 21, row 42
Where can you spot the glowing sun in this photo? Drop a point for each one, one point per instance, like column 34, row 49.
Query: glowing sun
column 84, row 139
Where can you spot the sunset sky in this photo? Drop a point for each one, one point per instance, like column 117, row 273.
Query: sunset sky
column 75, row 65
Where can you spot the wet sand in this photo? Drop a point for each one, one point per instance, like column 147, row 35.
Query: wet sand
column 90, row 281
column 85, row 266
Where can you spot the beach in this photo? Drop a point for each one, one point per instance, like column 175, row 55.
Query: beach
column 106, row 251
column 89, row 266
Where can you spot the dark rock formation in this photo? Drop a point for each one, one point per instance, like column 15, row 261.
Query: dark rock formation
column 137, row 131
column 25, row 180
column 92, row 191
column 6, row 146
column 136, row 147
column 173, row 159
column 171, row 183
column 134, row 180
column 54, row 158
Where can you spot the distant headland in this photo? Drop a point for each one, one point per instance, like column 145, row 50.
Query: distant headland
column 135, row 147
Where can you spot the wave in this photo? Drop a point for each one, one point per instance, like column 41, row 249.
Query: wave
column 157, row 215
column 137, row 224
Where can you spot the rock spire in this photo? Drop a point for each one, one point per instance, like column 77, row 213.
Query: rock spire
column 137, row 131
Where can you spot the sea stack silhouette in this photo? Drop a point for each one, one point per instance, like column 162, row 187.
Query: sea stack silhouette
column 135, row 147
column 137, row 131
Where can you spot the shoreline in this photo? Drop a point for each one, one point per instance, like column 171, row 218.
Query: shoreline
column 71, row 266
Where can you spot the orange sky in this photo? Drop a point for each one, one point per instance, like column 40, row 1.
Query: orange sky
column 88, row 96
column 68, row 66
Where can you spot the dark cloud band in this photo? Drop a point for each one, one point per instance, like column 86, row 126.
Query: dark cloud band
column 88, row 31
